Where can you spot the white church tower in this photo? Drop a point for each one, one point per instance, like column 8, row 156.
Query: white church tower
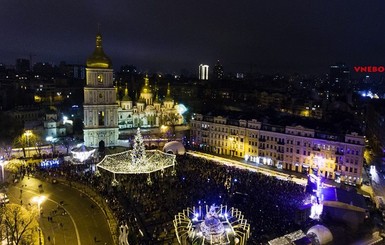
column 100, row 107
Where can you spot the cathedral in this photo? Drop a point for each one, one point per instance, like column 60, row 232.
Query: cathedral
column 148, row 112
column 105, row 113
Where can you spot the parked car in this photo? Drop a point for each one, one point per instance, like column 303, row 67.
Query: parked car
column 3, row 198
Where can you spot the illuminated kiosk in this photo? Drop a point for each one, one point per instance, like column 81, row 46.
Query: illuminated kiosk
column 211, row 225
column 137, row 161
column 315, row 187
column 81, row 154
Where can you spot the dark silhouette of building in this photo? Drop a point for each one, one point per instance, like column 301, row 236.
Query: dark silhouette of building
column 44, row 69
column 339, row 75
column 22, row 65
column 375, row 122
column 72, row 70
column 218, row 71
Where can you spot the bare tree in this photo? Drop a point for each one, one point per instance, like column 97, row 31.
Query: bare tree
column 19, row 225
column 38, row 144
column 28, row 140
column 67, row 144
column 171, row 120
column 20, row 142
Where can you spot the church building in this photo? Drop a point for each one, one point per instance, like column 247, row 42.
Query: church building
column 148, row 112
column 100, row 107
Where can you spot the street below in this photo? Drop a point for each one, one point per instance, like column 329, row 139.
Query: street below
column 67, row 215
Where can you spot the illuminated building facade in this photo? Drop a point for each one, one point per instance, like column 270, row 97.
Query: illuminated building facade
column 100, row 107
column 297, row 148
column 148, row 112
column 203, row 72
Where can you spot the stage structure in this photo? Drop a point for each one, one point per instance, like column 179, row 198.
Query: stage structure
column 81, row 154
column 211, row 225
column 137, row 161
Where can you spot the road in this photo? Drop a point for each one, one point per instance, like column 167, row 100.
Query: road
column 78, row 221
column 378, row 182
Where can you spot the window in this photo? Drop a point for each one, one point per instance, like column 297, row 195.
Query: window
column 101, row 118
column 100, row 78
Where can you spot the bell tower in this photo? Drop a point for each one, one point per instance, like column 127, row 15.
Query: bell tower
column 100, row 107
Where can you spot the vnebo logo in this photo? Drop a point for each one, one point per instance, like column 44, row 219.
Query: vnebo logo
column 369, row 69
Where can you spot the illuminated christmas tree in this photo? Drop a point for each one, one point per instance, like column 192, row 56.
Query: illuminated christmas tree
column 138, row 153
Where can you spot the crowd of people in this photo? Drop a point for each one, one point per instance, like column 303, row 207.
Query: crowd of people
column 269, row 204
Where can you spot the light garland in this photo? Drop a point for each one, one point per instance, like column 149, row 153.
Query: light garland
column 121, row 163
column 211, row 225
column 138, row 160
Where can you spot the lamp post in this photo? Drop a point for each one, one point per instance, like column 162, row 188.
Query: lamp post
column 39, row 200
column 28, row 134
column 233, row 143
column 39, row 230
column 163, row 131
column 2, row 163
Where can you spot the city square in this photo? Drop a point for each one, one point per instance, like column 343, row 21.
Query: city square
column 195, row 123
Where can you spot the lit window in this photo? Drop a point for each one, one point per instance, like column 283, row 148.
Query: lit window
column 100, row 78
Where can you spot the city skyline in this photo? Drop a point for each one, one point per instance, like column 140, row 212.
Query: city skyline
column 169, row 36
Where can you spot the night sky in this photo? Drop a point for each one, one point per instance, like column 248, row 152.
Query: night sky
column 303, row 36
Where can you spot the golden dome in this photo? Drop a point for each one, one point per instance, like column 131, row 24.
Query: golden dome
column 99, row 59
column 146, row 88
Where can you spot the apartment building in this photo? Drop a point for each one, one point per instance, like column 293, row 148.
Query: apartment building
column 299, row 149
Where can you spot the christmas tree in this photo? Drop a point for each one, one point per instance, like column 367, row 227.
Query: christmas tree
column 138, row 153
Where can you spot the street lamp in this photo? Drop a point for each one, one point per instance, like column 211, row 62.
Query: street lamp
column 163, row 130
column 27, row 134
column 233, row 143
column 39, row 230
column 39, row 200
column 2, row 163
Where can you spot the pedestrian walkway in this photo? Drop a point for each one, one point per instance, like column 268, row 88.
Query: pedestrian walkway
column 240, row 162
column 299, row 178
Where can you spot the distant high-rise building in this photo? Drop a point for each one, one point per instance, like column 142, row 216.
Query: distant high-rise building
column 218, row 71
column 339, row 74
column 22, row 65
column 43, row 68
column 203, row 72
column 73, row 70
